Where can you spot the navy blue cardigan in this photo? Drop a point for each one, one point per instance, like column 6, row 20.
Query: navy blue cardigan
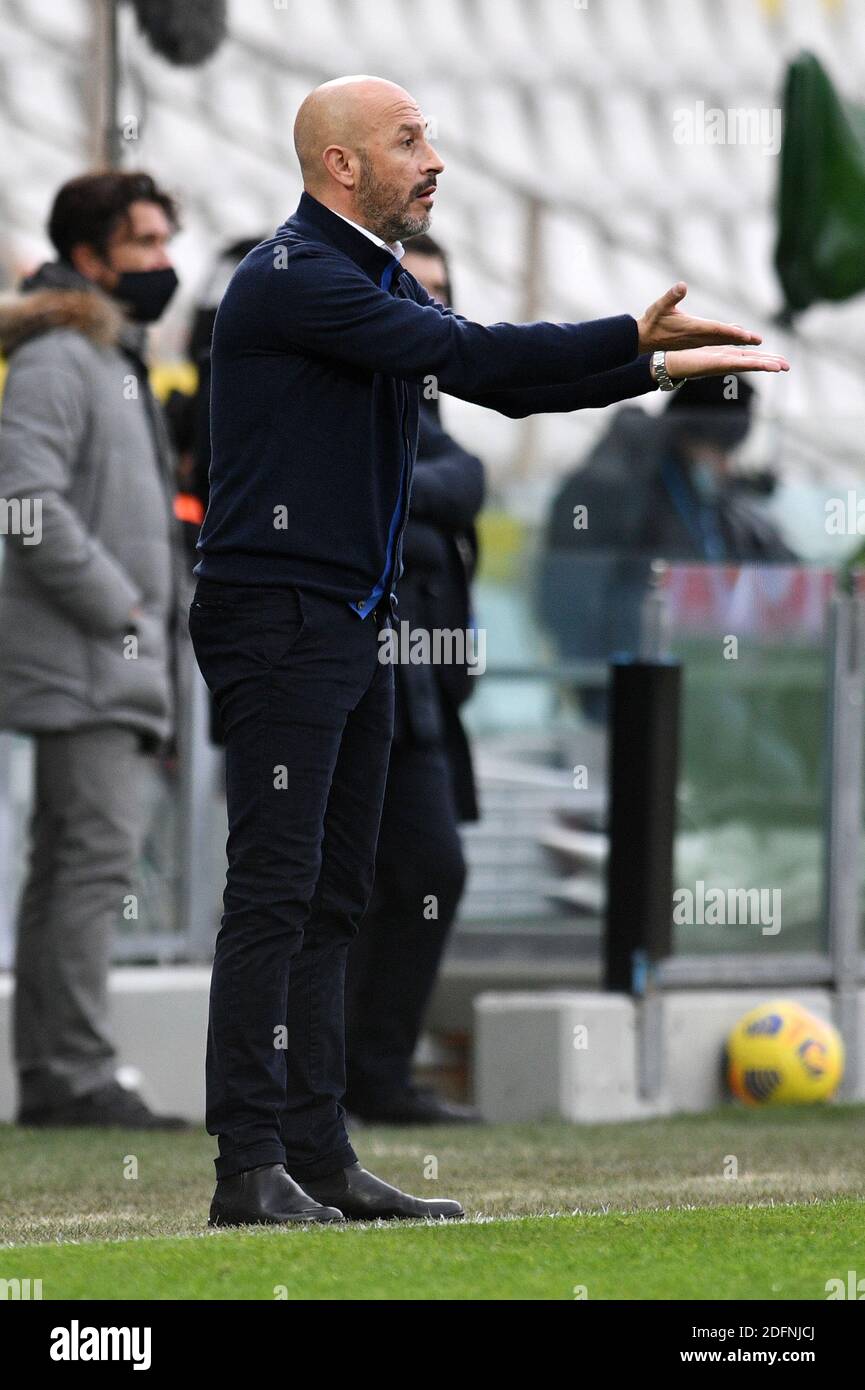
column 321, row 347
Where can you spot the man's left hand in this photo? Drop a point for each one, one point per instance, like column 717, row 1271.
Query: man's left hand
column 720, row 361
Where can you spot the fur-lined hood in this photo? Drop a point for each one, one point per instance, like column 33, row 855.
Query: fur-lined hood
column 24, row 316
column 58, row 297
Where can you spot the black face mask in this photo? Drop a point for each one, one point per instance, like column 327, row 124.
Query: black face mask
column 146, row 292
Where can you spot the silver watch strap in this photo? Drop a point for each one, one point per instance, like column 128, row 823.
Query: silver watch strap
column 662, row 376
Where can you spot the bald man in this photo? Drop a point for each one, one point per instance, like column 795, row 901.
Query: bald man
column 321, row 347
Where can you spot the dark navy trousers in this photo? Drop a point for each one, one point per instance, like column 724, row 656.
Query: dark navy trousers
column 307, row 711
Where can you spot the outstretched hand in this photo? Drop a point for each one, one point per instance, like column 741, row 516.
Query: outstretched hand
column 720, row 361
column 664, row 326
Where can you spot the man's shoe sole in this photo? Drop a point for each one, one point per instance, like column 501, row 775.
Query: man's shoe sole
column 406, row 1216
column 221, row 1222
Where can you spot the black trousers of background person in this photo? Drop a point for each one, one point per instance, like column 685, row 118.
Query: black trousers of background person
column 394, row 961
column 307, row 712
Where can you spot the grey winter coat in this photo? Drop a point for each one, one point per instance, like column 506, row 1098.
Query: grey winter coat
column 79, row 434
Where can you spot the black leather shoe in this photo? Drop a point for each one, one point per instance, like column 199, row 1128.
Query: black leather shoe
column 108, row 1106
column 361, row 1196
column 418, row 1106
column 265, row 1196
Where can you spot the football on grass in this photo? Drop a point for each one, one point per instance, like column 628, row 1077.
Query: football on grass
column 783, row 1054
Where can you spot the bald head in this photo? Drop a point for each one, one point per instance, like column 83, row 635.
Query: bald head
column 362, row 148
column 343, row 112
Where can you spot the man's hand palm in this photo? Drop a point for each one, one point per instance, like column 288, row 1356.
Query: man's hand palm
column 721, row 361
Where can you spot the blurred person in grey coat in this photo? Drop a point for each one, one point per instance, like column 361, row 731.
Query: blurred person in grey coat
column 90, row 602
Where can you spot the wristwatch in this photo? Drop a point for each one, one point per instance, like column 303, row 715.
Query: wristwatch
column 662, row 376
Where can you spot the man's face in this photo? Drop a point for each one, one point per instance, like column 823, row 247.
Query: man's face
column 398, row 173
column 138, row 242
column 431, row 272
column 709, row 455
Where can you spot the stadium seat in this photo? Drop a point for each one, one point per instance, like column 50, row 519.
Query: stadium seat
column 571, row 147
column 501, row 130
column 509, row 35
column 59, row 25
column 749, row 41
column 630, row 29
column 572, row 42
column 446, row 39
column 634, row 149
column 315, row 37
column 688, row 40
column 383, row 37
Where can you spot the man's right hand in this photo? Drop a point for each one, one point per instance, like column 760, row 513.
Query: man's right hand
column 664, row 326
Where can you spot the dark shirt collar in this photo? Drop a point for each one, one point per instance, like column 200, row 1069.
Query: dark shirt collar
column 315, row 220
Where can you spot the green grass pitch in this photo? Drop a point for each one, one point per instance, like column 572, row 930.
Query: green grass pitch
column 735, row 1204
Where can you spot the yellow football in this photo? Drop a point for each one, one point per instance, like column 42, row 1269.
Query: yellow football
column 783, row 1054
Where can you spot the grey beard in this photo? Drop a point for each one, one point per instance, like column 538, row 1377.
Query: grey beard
column 377, row 205
column 401, row 230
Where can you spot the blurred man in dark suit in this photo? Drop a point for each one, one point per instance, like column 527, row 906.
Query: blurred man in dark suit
column 653, row 487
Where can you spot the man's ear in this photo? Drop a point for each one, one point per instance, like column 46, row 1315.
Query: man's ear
column 87, row 261
column 338, row 163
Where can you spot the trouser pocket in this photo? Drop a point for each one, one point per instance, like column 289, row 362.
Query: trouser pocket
column 251, row 630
